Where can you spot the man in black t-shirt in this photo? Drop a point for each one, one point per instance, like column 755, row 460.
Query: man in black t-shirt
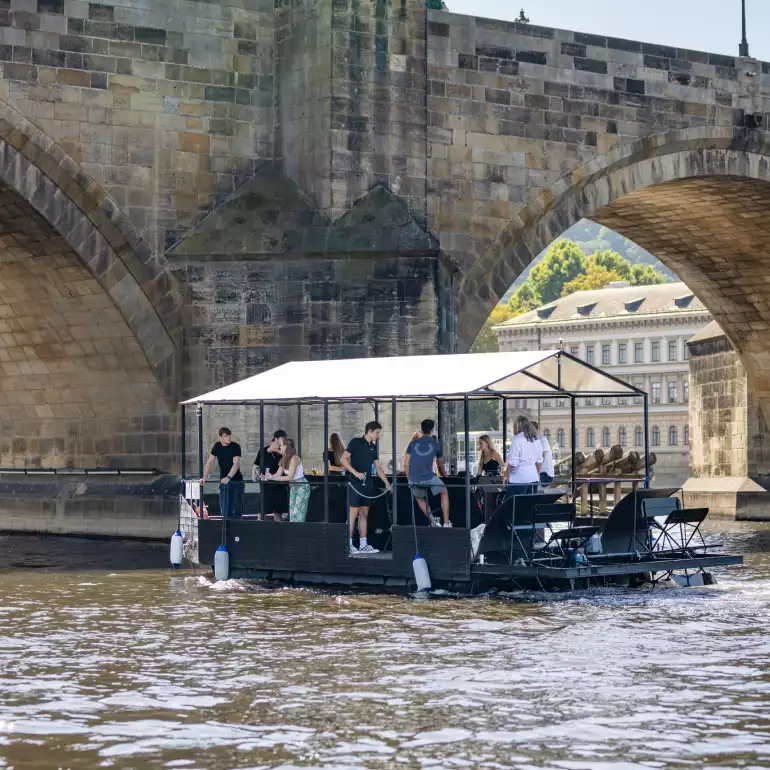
column 361, row 460
column 266, row 461
column 231, row 486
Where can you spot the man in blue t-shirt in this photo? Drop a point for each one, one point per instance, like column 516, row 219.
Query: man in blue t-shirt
column 420, row 456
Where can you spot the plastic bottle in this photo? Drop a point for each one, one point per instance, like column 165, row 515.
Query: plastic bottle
column 421, row 574
column 176, row 549
column 221, row 564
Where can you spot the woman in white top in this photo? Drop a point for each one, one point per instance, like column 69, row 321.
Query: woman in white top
column 547, row 471
column 525, row 457
column 291, row 471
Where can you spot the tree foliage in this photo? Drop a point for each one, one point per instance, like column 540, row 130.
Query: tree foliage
column 564, row 270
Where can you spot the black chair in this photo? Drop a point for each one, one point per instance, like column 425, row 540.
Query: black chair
column 681, row 530
column 509, row 533
column 627, row 530
column 544, row 519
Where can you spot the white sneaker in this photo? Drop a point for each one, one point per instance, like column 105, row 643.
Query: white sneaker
column 434, row 522
column 448, row 524
column 353, row 550
column 367, row 549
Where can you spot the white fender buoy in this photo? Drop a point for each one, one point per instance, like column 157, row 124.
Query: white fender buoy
column 221, row 564
column 421, row 574
column 176, row 549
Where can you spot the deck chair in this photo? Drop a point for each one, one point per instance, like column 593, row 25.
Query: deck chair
column 508, row 533
column 627, row 528
column 681, row 530
column 545, row 517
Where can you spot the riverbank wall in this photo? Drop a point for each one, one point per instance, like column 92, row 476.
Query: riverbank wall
column 141, row 507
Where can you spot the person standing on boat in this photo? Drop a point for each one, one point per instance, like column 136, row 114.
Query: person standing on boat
column 524, row 460
column 270, row 458
column 490, row 462
column 334, row 453
column 231, row 485
column 421, row 453
column 547, row 470
column 291, row 471
column 361, row 461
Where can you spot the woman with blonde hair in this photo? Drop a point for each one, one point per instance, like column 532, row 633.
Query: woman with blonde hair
column 524, row 460
column 291, row 471
column 490, row 462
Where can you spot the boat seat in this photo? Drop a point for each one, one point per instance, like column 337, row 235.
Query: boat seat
column 681, row 529
column 543, row 521
column 627, row 529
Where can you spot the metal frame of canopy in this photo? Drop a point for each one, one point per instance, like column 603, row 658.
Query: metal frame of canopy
column 484, row 392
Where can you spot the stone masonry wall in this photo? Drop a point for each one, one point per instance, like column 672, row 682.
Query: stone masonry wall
column 168, row 104
column 729, row 436
column 513, row 108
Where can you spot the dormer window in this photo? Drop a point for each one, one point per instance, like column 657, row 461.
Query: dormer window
column 633, row 305
column 586, row 309
column 545, row 313
column 684, row 300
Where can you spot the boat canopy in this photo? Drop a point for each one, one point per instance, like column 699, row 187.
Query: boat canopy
column 539, row 373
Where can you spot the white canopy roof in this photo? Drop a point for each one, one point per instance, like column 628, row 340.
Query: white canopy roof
column 537, row 373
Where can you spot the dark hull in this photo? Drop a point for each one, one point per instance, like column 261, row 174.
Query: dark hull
column 316, row 554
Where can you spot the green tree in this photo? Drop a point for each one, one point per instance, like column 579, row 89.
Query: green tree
column 522, row 301
column 563, row 263
column 595, row 278
column 611, row 262
column 486, row 341
column 646, row 275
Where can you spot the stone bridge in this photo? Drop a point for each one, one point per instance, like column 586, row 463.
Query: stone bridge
column 193, row 191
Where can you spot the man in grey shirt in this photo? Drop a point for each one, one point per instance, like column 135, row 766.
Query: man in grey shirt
column 420, row 456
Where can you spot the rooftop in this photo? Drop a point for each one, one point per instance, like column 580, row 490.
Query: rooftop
column 619, row 300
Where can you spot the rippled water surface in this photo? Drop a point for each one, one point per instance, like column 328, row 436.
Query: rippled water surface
column 132, row 666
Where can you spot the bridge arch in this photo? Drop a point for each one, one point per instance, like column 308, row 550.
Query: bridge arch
column 89, row 318
column 699, row 199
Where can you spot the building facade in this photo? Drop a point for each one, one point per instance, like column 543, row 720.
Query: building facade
column 636, row 333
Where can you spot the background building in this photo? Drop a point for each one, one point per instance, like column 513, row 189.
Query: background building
column 637, row 333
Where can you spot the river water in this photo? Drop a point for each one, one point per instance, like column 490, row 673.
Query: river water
column 129, row 665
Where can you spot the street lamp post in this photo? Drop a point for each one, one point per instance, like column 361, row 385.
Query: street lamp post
column 743, row 49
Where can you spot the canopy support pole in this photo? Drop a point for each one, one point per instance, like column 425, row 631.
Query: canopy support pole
column 646, row 442
column 199, row 415
column 467, row 415
column 574, row 445
column 505, row 426
column 326, row 463
column 262, row 459
column 394, row 429
column 299, row 429
column 183, row 446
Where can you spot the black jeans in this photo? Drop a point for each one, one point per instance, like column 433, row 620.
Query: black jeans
column 231, row 499
column 511, row 490
column 545, row 478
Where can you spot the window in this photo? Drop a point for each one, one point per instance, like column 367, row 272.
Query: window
column 589, row 402
column 686, row 391
column 672, row 436
column 622, row 436
column 673, row 353
column 672, row 394
column 520, row 403
column 577, row 439
column 606, row 401
column 638, row 436
column 560, row 437
column 559, row 402
column 638, row 399
column 622, row 400
column 656, row 436
column 605, row 355
column 655, row 392
column 686, row 435
column 590, row 438
column 546, row 404
column 686, row 352
column 606, row 437
column 656, row 351
column 547, row 434
column 574, row 350
column 622, row 352
column 638, row 352
column 590, row 354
